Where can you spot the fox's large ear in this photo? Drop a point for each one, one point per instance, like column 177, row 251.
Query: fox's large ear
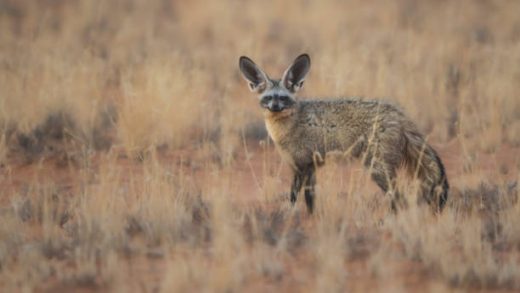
column 255, row 77
column 294, row 76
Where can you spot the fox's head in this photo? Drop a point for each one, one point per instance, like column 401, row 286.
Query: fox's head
column 276, row 95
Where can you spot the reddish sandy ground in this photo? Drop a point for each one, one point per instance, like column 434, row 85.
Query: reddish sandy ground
column 143, row 271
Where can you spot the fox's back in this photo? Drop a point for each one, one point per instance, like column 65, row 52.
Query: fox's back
column 346, row 125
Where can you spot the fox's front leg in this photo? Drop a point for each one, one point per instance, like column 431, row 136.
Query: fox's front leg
column 310, row 183
column 306, row 176
column 296, row 185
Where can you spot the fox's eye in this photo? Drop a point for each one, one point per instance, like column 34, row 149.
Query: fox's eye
column 284, row 98
column 268, row 98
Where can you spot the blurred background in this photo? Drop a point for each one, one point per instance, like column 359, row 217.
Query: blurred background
column 132, row 153
column 141, row 74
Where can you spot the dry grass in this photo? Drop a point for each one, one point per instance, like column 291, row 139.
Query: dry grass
column 133, row 158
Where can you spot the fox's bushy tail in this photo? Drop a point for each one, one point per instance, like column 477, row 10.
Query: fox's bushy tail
column 423, row 163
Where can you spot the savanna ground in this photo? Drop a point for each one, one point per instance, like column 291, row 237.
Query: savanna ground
column 134, row 159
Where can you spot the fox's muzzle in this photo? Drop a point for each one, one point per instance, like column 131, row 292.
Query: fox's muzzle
column 275, row 107
column 276, row 102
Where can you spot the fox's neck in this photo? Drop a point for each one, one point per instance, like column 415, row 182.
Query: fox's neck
column 280, row 124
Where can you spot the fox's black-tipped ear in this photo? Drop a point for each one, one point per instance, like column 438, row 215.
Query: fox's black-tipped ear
column 294, row 76
column 255, row 77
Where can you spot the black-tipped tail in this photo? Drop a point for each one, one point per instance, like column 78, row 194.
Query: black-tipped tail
column 440, row 196
column 422, row 161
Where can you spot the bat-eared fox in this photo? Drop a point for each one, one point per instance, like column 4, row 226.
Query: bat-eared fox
column 378, row 133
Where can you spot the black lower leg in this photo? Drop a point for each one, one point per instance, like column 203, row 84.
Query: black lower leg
column 310, row 182
column 387, row 184
column 398, row 201
column 309, row 199
column 296, row 186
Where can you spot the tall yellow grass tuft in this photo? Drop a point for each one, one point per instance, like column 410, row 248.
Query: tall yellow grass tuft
column 163, row 103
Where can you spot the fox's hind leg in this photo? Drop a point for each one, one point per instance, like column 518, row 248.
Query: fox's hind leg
column 384, row 175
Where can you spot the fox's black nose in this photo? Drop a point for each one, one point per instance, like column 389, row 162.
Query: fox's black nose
column 275, row 107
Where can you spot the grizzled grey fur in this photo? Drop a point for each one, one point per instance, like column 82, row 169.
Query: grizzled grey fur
column 378, row 133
